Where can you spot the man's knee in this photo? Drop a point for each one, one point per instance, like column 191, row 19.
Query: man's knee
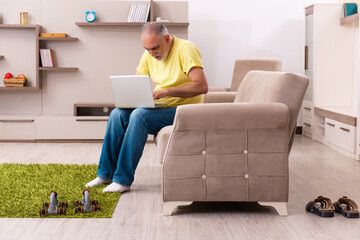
column 139, row 114
column 115, row 114
column 118, row 114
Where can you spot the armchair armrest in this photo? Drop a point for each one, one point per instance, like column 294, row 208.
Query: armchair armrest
column 232, row 116
column 218, row 89
column 219, row 97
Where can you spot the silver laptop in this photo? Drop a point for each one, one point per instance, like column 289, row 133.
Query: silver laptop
column 132, row 91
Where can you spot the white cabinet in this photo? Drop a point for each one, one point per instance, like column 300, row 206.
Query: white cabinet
column 75, row 128
column 340, row 134
column 17, row 128
column 336, row 127
column 329, row 57
column 331, row 63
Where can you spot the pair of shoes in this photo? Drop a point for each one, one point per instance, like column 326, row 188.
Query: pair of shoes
column 347, row 207
column 323, row 207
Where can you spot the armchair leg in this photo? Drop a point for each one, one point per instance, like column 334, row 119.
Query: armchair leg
column 169, row 207
column 280, row 207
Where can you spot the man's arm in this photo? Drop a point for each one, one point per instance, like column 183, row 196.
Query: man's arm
column 197, row 86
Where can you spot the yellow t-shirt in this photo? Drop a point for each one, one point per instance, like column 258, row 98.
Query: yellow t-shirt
column 172, row 71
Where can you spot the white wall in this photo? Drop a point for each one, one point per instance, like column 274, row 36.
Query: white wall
column 235, row 29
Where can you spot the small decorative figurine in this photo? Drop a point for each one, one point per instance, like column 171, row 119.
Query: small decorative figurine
column 90, row 16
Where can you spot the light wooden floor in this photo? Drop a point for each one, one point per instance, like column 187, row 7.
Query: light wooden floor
column 314, row 170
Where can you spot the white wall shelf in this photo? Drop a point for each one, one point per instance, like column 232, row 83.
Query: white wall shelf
column 18, row 88
column 37, row 29
column 59, row 69
column 35, row 80
column 58, row 39
column 350, row 19
column 104, row 24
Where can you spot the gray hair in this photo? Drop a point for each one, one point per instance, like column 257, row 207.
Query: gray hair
column 154, row 27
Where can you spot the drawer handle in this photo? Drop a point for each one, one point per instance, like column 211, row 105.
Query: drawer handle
column 306, row 58
column 345, row 129
column 307, row 124
column 330, row 124
column 307, row 108
column 17, row 120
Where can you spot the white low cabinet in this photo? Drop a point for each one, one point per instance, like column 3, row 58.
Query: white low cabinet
column 17, row 128
column 72, row 128
column 340, row 134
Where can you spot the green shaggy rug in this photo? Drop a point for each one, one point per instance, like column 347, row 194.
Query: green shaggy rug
column 24, row 188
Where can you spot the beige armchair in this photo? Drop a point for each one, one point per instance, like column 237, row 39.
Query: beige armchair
column 217, row 95
column 243, row 66
column 234, row 151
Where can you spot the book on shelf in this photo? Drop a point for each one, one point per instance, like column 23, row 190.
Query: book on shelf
column 47, row 58
column 350, row 9
column 139, row 12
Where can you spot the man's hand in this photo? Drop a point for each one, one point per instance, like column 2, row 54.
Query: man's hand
column 160, row 94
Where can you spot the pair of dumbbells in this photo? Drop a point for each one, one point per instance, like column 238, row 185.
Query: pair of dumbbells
column 59, row 208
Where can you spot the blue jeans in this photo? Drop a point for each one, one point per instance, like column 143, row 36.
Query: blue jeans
column 125, row 138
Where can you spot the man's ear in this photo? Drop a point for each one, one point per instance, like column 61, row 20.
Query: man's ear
column 167, row 37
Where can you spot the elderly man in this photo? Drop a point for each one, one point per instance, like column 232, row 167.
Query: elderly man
column 176, row 68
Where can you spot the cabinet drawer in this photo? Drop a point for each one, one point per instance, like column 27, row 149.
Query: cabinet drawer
column 331, row 132
column 307, row 131
column 347, row 137
column 17, row 129
column 308, row 109
column 307, row 126
column 54, row 127
column 307, row 121
column 340, row 134
column 308, row 112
